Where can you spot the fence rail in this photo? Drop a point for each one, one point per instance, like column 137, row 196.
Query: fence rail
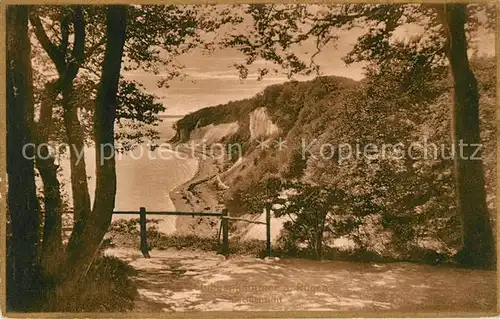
column 169, row 213
column 142, row 212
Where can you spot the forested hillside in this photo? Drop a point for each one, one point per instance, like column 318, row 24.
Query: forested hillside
column 396, row 202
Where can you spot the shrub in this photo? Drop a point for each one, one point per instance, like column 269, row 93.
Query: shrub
column 252, row 247
column 106, row 287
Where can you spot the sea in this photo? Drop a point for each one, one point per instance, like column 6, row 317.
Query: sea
column 144, row 178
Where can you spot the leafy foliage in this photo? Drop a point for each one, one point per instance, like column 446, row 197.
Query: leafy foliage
column 310, row 208
column 276, row 30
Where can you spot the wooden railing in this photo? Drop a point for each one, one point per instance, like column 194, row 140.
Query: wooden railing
column 142, row 212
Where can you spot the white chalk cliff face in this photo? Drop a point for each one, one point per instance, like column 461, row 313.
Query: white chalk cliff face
column 214, row 133
column 261, row 127
column 261, row 124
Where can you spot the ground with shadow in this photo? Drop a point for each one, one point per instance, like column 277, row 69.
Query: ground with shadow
column 188, row 280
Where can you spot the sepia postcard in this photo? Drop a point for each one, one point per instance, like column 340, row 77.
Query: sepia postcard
column 233, row 160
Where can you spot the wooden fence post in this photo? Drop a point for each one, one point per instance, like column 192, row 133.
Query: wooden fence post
column 144, row 237
column 225, row 233
column 268, row 230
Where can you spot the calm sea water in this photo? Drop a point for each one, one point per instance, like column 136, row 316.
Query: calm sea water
column 143, row 181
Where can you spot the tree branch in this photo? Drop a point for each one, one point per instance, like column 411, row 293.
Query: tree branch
column 44, row 125
column 64, row 32
column 56, row 55
column 79, row 44
column 78, row 48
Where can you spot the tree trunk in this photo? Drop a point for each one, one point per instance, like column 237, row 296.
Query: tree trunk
column 89, row 232
column 52, row 242
column 319, row 236
column 319, row 242
column 23, row 208
column 79, row 184
column 67, row 69
column 478, row 241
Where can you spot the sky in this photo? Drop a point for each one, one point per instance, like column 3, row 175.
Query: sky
column 212, row 79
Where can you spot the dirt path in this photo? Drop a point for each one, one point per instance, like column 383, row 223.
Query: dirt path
column 180, row 280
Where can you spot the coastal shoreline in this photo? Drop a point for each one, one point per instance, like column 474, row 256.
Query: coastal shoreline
column 197, row 195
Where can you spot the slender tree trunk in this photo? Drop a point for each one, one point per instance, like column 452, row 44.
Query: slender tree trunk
column 67, row 70
column 79, row 184
column 318, row 244
column 478, row 241
column 23, row 208
column 89, row 232
column 52, row 248
column 319, row 236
